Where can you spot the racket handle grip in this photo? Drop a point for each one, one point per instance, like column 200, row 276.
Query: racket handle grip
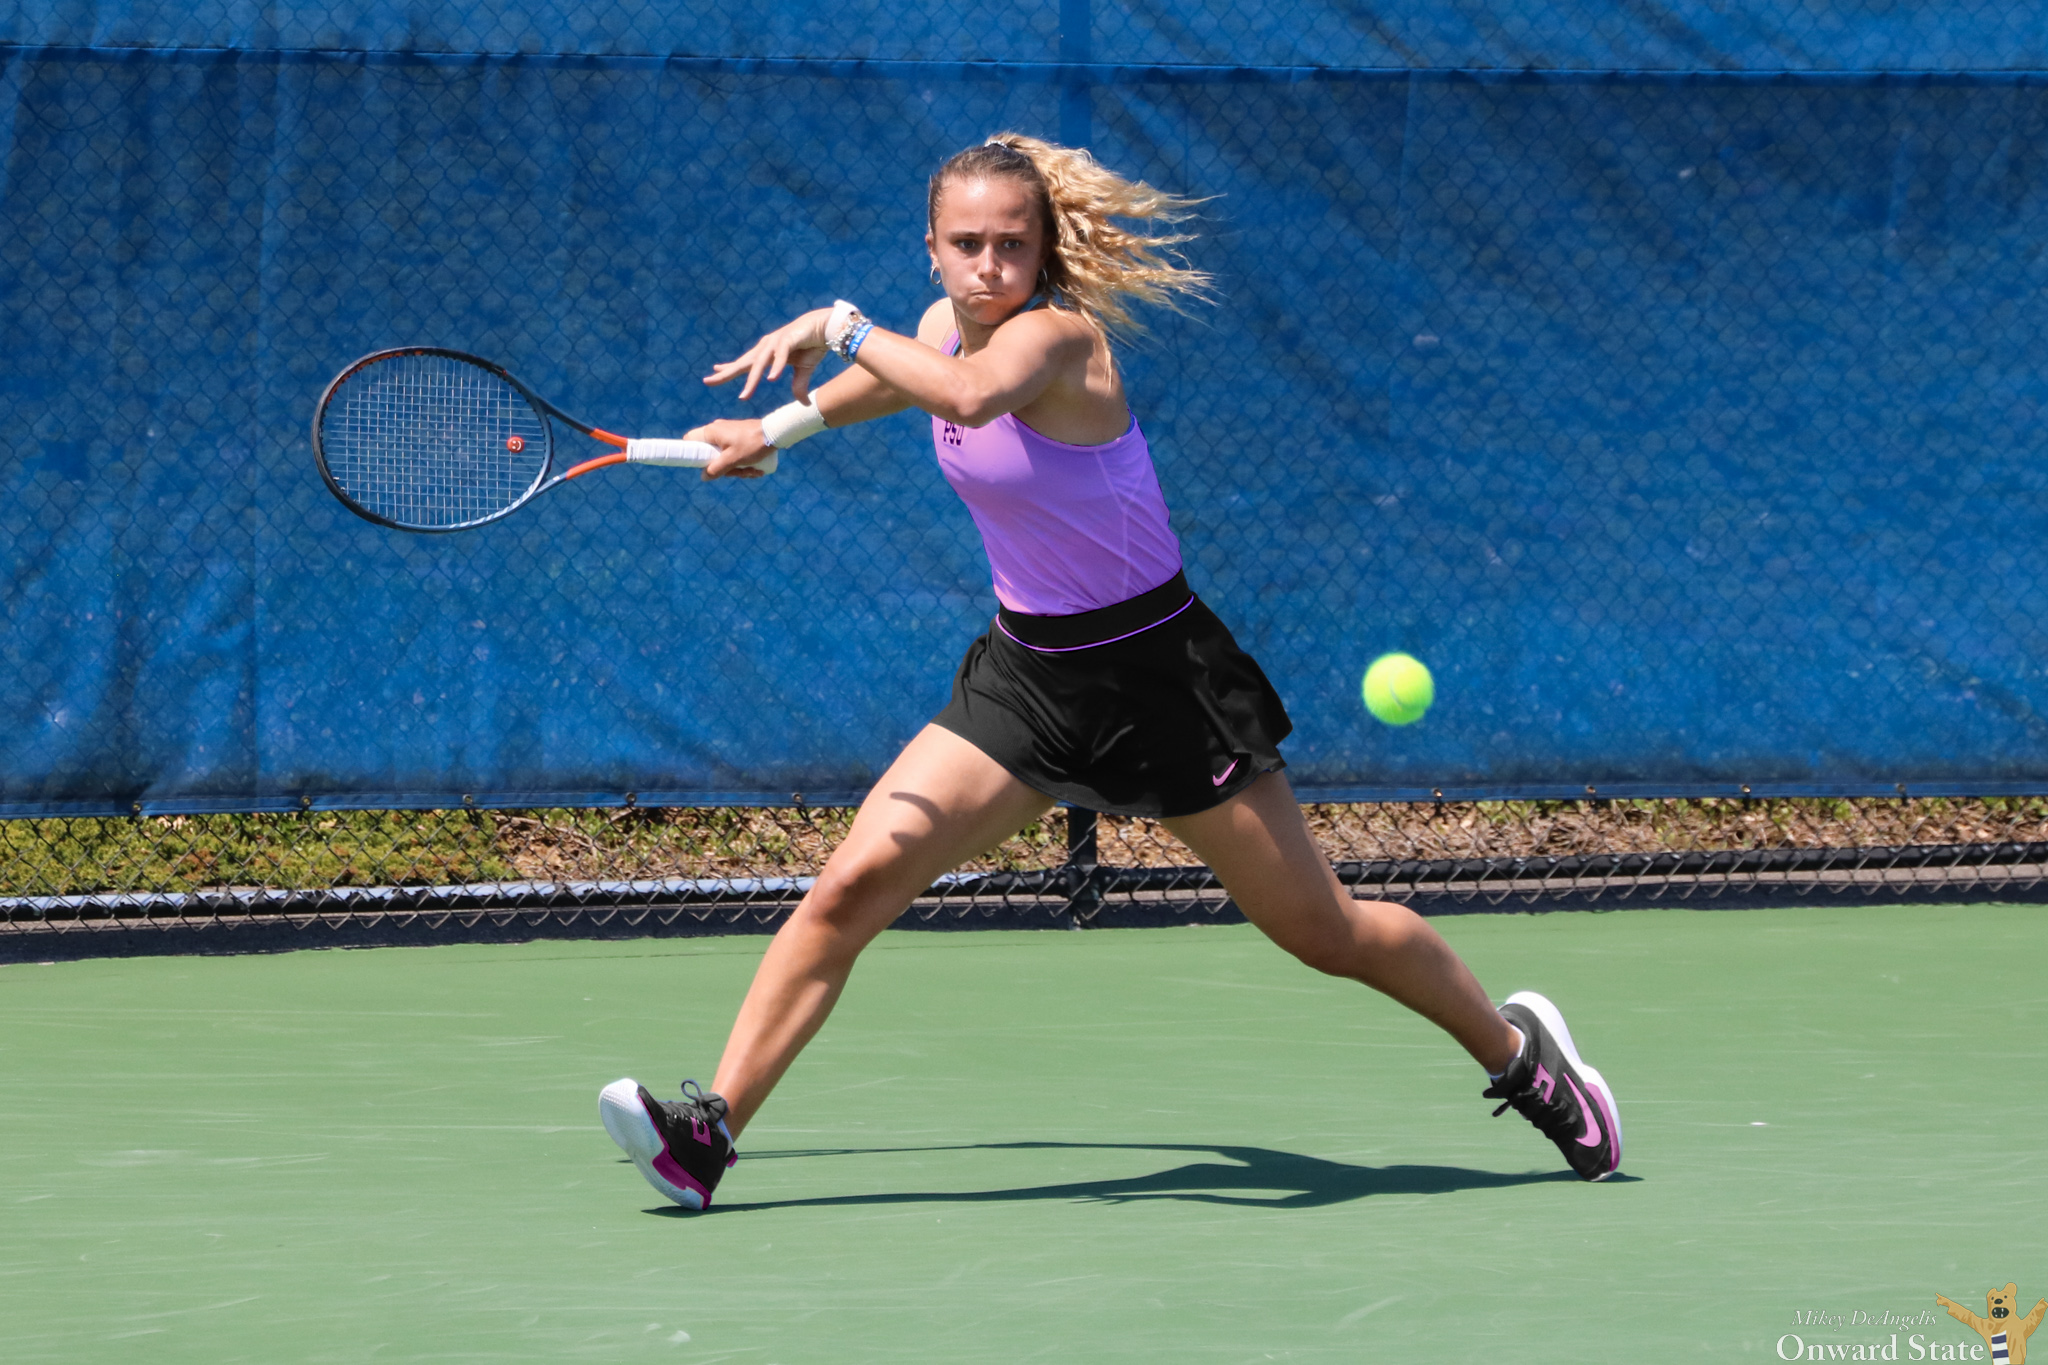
column 686, row 454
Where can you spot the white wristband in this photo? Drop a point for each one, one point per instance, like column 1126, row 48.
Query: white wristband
column 839, row 327
column 790, row 423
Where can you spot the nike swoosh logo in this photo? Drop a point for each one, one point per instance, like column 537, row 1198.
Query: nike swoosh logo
column 1591, row 1137
column 1219, row 781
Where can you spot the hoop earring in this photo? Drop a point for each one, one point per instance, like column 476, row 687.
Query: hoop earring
column 935, row 272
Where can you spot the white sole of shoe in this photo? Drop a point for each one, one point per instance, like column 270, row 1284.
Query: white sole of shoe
column 625, row 1118
column 1541, row 1007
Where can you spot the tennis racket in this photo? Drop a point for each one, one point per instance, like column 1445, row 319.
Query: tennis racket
column 423, row 439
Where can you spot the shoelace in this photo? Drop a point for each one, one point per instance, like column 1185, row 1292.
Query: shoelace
column 1549, row 1119
column 711, row 1108
column 695, row 1107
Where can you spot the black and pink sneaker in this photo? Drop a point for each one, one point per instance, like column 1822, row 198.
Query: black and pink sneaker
column 681, row 1147
column 1568, row 1101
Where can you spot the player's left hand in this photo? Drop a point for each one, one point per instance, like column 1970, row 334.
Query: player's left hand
column 798, row 346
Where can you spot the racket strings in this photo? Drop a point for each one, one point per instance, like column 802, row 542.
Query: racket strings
column 433, row 442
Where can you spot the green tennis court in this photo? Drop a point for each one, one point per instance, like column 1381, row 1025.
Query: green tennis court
column 1130, row 1145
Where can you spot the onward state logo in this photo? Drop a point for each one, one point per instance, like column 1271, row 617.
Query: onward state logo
column 2005, row 1337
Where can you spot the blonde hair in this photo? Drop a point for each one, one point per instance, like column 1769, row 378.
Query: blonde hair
column 1093, row 265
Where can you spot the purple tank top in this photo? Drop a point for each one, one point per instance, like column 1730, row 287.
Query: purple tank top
column 1067, row 528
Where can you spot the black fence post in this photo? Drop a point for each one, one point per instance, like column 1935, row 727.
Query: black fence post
column 1084, row 892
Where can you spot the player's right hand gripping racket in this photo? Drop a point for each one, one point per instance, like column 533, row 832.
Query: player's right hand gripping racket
column 423, row 439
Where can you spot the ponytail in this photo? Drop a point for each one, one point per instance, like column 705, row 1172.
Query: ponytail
column 1093, row 265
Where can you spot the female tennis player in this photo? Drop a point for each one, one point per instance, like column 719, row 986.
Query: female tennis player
column 1103, row 681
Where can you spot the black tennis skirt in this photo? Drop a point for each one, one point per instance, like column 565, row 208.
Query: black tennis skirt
column 1147, row 707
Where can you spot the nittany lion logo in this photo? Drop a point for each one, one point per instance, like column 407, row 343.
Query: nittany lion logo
column 2004, row 1334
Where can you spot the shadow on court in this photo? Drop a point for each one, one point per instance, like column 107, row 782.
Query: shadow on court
column 1252, row 1177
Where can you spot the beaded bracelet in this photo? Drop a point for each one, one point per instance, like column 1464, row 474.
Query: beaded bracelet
column 856, row 337
column 839, row 327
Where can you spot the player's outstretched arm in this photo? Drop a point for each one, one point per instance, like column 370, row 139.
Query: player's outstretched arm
column 855, row 396
column 1024, row 357
column 858, row 394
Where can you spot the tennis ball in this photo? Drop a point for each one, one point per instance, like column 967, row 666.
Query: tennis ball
column 1398, row 689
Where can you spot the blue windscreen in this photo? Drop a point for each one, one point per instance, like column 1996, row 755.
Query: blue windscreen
column 1668, row 379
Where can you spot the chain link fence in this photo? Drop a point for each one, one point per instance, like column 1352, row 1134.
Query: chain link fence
column 78, row 886
column 1688, row 430
column 1668, row 379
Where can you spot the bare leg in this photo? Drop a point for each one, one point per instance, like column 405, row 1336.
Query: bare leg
column 1259, row 846
column 942, row 802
